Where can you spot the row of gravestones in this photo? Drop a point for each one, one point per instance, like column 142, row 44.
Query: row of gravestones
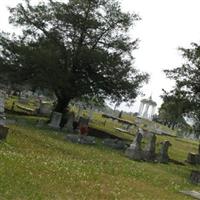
column 136, row 152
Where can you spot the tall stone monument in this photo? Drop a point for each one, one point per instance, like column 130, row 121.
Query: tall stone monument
column 150, row 150
column 135, row 151
column 163, row 156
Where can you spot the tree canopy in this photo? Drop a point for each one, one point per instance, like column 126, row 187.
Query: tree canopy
column 77, row 48
column 187, row 79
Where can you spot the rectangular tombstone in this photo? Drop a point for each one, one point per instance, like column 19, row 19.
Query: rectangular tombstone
column 55, row 120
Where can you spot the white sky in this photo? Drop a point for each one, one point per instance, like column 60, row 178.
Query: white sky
column 165, row 26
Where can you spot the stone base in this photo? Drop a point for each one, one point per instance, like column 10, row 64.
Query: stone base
column 3, row 132
column 163, row 159
column 149, row 156
column 134, row 154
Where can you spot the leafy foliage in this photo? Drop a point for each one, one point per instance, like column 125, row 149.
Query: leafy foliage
column 187, row 79
column 74, row 49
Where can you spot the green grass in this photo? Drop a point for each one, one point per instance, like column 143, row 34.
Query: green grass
column 39, row 164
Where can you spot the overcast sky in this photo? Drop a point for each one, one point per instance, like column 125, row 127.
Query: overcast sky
column 165, row 26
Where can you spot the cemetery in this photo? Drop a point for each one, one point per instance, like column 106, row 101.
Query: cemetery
column 81, row 118
column 45, row 156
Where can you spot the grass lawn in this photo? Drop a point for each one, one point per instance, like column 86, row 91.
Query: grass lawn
column 37, row 163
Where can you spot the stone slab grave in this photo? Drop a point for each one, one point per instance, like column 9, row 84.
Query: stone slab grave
column 114, row 143
column 81, row 139
column 55, row 120
column 194, row 194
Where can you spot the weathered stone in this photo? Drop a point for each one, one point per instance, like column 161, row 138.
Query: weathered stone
column 163, row 156
column 195, row 177
column 80, row 139
column 45, row 108
column 55, row 120
column 150, row 150
column 87, row 140
column 135, row 151
column 69, row 125
column 114, row 143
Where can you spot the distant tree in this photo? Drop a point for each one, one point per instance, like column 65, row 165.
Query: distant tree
column 77, row 48
column 173, row 109
column 187, row 79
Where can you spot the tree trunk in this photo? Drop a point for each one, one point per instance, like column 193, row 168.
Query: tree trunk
column 62, row 104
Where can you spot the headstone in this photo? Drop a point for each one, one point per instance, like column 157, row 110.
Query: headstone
column 150, row 150
column 163, row 156
column 69, row 125
column 45, row 108
column 55, row 120
column 83, row 125
column 135, row 151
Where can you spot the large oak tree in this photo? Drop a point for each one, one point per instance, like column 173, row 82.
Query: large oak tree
column 77, row 48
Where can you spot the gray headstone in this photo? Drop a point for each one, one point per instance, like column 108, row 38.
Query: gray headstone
column 163, row 156
column 45, row 108
column 135, row 151
column 55, row 120
column 150, row 150
column 69, row 125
